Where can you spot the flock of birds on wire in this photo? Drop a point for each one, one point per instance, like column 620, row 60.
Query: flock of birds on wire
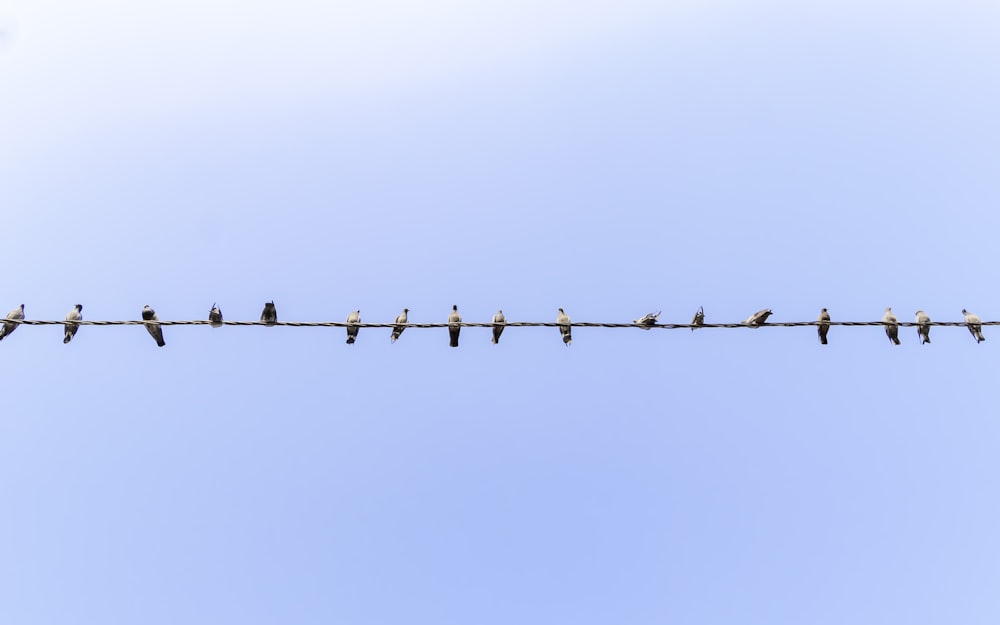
column 269, row 316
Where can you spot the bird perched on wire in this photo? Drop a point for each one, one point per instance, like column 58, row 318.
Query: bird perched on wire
column 824, row 325
column 454, row 325
column 154, row 329
column 270, row 314
column 891, row 325
column 215, row 316
column 975, row 326
column 648, row 320
column 70, row 330
column 698, row 320
column 400, row 325
column 499, row 321
column 924, row 327
column 10, row 326
column 564, row 327
column 353, row 320
column 758, row 319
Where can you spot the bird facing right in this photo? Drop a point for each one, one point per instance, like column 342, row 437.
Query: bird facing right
column 10, row 326
column 400, row 325
column 975, row 326
column 71, row 328
column 759, row 318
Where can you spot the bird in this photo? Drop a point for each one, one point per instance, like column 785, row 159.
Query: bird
column 647, row 321
column 698, row 319
column 758, row 319
column 269, row 315
column 824, row 325
column 353, row 320
column 400, row 325
column 499, row 321
column 975, row 326
column 924, row 329
column 454, row 325
column 564, row 327
column 71, row 328
column 154, row 329
column 891, row 325
column 10, row 326
column 215, row 316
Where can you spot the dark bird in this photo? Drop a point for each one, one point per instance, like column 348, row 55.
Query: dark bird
column 499, row 321
column 10, row 326
column 891, row 325
column 400, row 325
column 698, row 319
column 975, row 326
column 71, row 328
column 353, row 320
column 215, row 316
column 269, row 315
column 154, row 329
column 824, row 325
column 454, row 326
column 564, row 327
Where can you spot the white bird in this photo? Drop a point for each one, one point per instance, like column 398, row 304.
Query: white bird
column 891, row 325
column 454, row 327
column 564, row 327
column 924, row 329
column 215, row 316
column 270, row 314
column 499, row 321
column 758, row 319
column 400, row 325
column 824, row 325
column 698, row 319
column 154, row 329
column 352, row 328
column 975, row 326
column 71, row 328
column 647, row 321
column 10, row 326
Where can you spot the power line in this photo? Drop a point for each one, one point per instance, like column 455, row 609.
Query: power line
column 489, row 324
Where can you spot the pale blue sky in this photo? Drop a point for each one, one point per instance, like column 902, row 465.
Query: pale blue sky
column 611, row 159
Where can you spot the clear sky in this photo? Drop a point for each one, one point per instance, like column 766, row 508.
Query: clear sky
column 608, row 158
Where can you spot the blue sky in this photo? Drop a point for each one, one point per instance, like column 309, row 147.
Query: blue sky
column 608, row 159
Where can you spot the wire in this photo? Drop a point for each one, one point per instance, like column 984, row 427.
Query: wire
column 490, row 324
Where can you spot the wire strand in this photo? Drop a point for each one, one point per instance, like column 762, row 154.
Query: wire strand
column 490, row 324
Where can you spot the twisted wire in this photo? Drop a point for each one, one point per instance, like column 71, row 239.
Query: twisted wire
column 489, row 324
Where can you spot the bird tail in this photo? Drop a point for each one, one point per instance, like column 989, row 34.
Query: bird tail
column 350, row 340
column 822, row 340
column 160, row 342
column 394, row 337
column 67, row 338
column 980, row 338
column 895, row 340
column 567, row 339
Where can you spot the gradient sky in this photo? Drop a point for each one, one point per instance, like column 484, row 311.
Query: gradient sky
column 608, row 158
